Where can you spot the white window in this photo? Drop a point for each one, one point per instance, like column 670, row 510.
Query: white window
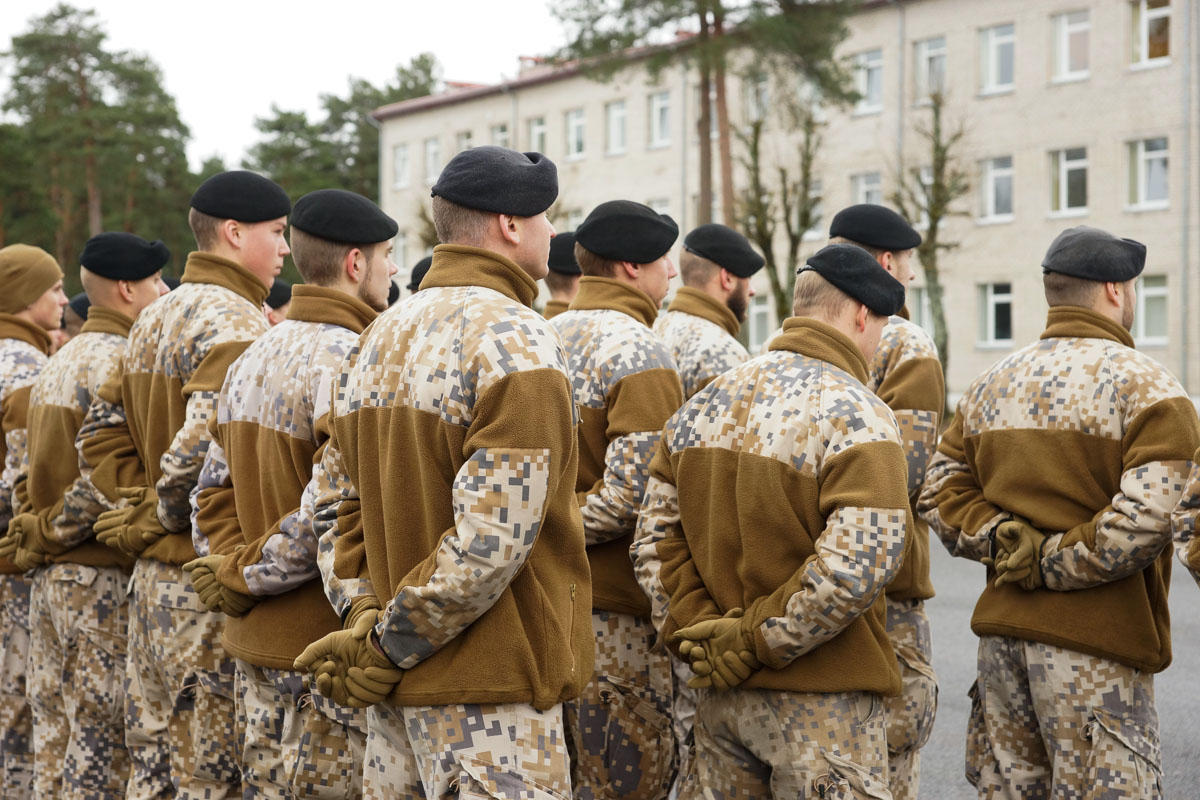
column 537, row 134
column 660, row 205
column 400, row 250
column 920, row 308
column 926, row 177
column 756, row 98
column 931, row 67
column 500, row 135
column 997, row 59
column 400, row 168
column 1148, row 173
column 1151, row 31
column 1069, row 180
column 463, row 141
column 1071, row 34
column 868, row 81
column 815, row 196
column 614, row 126
column 575, row 133
column 996, row 189
column 660, row 119
column 1150, row 318
column 433, row 159
column 575, row 218
column 995, row 315
column 759, row 326
column 866, row 188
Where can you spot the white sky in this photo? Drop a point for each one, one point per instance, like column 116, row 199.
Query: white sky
column 226, row 61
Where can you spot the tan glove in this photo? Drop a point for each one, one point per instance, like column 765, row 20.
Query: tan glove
column 720, row 655
column 134, row 527
column 24, row 545
column 1018, row 555
column 204, row 580
column 348, row 666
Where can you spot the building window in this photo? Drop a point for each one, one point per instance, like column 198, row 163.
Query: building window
column 537, row 134
column 868, row 81
column 756, row 98
column 1071, row 34
column 1150, row 319
column 759, row 327
column 931, row 67
column 997, row 54
column 575, row 133
column 995, row 314
column 660, row 119
column 996, row 190
column 1151, row 31
column 463, row 141
column 614, row 126
column 919, row 308
column 1148, row 173
column 925, row 176
column 400, row 251
column 1069, row 180
column 400, row 168
column 433, row 159
column 659, row 205
column 500, row 135
column 815, row 197
column 575, row 218
column 866, row 188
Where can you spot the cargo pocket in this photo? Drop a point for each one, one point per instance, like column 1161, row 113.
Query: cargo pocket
column 911, row 713
column 1124, row 758
column 480, row 780
column 978, row 752
column 328, row 760
column 639, row 750
column 846, row 780
column 100, row 670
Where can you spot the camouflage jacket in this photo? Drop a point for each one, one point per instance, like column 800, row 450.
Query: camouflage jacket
column 698, row 331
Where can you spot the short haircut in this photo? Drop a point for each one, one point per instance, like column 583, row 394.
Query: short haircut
column 457, row 224
column 206, row 228
column 817, row 297
column 557, row 282
column 594, row 266
column 320, row 260
column 696, row 270
column 875, row 252
column 1068, row 290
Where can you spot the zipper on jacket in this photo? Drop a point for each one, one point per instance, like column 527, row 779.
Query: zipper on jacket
column 571, row 629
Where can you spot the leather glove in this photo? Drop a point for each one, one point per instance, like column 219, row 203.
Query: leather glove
column 719, row 654
column 204, row 580
column 348, row 666
column 1018, row 555
column 134, row 527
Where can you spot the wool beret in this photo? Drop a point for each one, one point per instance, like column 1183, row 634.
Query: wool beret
column 80, row 305
column 122, row 256
column 241, row 195
column 1095, row 255
column 874, row 226
column 725, row 247
column 393, row 293
column 280, row 294
column 500, row 181
column 26, row 273
column 418, row 273
column 562, row 254
column 858, row 274
column 622, row 230
column 340, row 216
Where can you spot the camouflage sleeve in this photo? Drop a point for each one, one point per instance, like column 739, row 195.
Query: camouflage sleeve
column 81, row 505
column 14, row 413
column 1185, row 521
column 952, row 501
column 216, row 529
column 514, row 462
column 915, row 391
column 718, row 357
column 331, row 507
column 1131, row 532
column 108, row 458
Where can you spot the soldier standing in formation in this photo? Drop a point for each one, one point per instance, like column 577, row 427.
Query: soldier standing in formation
column 562, row 280
column 418, row 274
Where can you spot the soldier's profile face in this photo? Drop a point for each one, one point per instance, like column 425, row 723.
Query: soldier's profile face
column 47, row 310
column 655, row 278
column 902, row 268
column 377, row 278
column 534, row 250
column 263, row 247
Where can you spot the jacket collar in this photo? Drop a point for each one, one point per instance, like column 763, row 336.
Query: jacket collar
column 816, row 339
column 1083, row 323
column 204, row 267
column 325, row 305
column 700, row 304
column 460, row 265
column 106, row 320
column 607, row 294
column 13, row 327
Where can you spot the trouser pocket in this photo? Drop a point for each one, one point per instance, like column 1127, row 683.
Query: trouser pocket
column 628, row 747
column 978, row 751
column 1124, row 760
column 847, row 780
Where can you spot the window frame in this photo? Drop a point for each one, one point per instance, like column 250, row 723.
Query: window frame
column 433, row 159
column 925, row 54
column 1145, row 293
column 401, row 177
column 575, row 121
column 987, row 181
column 857, row 182
column 609, row 117
column 1061, row 51
column 759, row 322
column 535, row 130
column 1138, row 158
column 467, row 137
column 990, row 44
column 1061, row 168
column 498, row 134
column 991, row 298
column 1142, row 16
column 658, row 129
column 864, row 63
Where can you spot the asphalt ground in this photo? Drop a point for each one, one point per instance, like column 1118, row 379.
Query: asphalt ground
column 958, row 583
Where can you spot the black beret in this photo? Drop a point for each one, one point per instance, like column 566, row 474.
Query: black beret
column 241, row 195
column 875, row 226
column 500, row 181
column 725, row 247
column 562, row 254
column 80, row 305
column 280, row 294
column 858, row 274
column 123, row 256
column 418, row 273
column 622, row 230
column 393, row 293
column 1095, row 255
column 340, row 216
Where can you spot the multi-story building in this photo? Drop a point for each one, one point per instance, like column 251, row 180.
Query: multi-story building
column 1076, row 112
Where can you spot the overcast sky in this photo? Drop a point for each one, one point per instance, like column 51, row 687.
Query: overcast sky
column 226, row 61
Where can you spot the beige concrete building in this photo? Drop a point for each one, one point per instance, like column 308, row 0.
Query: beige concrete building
column 1076, row 112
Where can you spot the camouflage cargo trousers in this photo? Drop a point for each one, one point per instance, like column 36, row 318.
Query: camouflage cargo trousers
column 619, row 730
column 756, row 743
column 78, row 628
column 16, row 723
column 510, row 751
column 910, row 714
column 1051, row 722
column 180, row 719
column 296, row 743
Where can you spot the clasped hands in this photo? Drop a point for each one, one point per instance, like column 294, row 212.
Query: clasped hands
column 25, row 543
column 718, row 652
column 348, row 666
column 133, row 527
column 215, row 595
column 1017, row 555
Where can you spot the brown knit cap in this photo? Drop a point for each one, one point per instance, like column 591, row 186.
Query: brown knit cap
column 26, row 272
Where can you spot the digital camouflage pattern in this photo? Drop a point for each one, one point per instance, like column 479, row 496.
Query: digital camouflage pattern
column 699, row 331
column 16, row 720
column 910, row 714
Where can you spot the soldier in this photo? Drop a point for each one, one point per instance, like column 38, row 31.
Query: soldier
column 75, row 314
column 1059, row 472
column 78, row 614
column 563, row 278
column 904, row 373
column 179, row 712
column 707, row 313
column 279, row 299
column 31, row 306
column 626, row 387
column 418, row 274
column 258, row 553
column 446, row 495
column 775, row 516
